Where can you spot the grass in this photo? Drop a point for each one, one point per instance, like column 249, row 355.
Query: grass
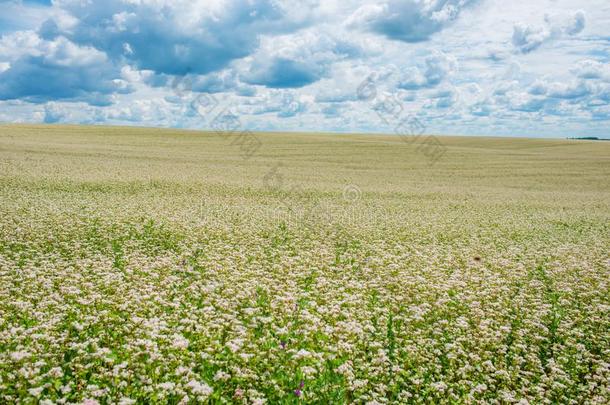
column 163, row 266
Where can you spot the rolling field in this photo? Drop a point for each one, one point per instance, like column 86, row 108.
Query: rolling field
column 160, row 266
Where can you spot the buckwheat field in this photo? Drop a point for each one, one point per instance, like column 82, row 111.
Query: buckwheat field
column 158, row 266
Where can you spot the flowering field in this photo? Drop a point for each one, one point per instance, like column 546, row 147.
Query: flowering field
column 153, row 266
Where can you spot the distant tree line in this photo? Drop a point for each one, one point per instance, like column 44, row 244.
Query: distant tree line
column 590, row 138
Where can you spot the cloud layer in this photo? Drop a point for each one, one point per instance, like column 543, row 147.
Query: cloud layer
column 408, row 20
column 458, row 66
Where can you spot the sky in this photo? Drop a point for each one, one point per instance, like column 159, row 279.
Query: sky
column 464, row 67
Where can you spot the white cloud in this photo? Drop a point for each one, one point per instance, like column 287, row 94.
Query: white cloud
column 44, row 70
column 437, row 67
column 527, row 38
column 592, row 69
column 407, row 20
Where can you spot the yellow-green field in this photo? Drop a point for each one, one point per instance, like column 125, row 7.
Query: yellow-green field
column 160, row 266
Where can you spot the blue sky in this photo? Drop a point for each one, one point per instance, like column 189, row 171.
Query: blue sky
column 465, row 67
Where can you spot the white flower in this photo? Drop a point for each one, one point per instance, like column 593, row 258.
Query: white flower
column 345, row 368
column 357, row 384
column 180, row 342
column 98, row 393
column 199, row 388
column 56, row 372
column 17, row 356
column 182, row 370
column 167, row 386
column 308, row 371
column 301, row 354
column 480, row 388
column 439, row 386
column 221, row 376
column 35, row 392
column 235, row 345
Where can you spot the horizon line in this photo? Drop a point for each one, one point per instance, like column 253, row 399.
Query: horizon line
column 302, row 132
